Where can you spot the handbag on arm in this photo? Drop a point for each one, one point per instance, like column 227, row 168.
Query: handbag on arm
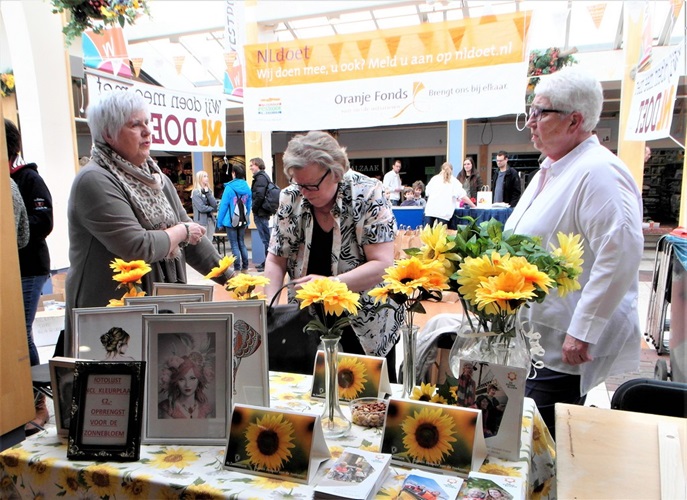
column 289, row 348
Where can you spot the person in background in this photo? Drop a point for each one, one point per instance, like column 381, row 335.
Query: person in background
column 409, row 198
column 392, row 182
column 419, row 188
column 506, row 183
column 21, row 218
column 204, row 203
column 469, row 178
column 260, row 215
column 34, row 257
column 647, row 153
column 121, row 206
column 581, row 189
column 329, row 210
column 234, row 189
column 443, row 193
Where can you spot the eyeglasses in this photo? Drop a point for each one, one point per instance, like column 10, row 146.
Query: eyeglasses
column 311, row 187
column 536, row 113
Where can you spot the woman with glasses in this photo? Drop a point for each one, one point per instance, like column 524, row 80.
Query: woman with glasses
column 335, row 222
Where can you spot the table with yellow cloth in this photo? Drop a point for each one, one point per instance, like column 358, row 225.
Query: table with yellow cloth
column 38, row 467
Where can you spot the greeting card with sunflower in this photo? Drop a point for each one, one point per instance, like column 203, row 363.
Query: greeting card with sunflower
column 358, row 376
column 277, row 443
column 128, row 275
column 429, row 436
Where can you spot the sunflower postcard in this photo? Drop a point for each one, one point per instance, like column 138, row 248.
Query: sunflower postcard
column 275, row 443
column 433, row 436
column 358, row 376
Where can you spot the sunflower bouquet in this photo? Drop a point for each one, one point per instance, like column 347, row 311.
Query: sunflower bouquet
column 128, row 275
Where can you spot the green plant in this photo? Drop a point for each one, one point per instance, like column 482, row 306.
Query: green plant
column 110, row 12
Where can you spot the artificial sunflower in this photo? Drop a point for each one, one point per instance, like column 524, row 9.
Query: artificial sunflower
column 351, row 377
column 334, row 299
column 224, row 263
column 243, row 286
column 202, row 492
column 437, row 246
column 428, row 435
column 269, row 440
column 128, row 275
column 173, row 457
column 102, row 479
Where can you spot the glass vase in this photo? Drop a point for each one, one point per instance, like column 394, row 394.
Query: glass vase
column 409, row 334
column 503, row 343
column 334, row 423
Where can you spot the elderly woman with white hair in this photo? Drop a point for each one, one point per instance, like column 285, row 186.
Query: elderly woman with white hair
column 332, row 221
column 582, row 189
column 122, row 206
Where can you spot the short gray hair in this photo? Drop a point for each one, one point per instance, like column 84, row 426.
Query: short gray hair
column 318, row 148
column 573, row 89
column 112, row 110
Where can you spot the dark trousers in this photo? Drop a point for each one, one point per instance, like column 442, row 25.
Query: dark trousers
column 551, row 387
column 350, row 344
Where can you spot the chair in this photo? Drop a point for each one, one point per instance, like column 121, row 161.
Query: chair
column 644, row 395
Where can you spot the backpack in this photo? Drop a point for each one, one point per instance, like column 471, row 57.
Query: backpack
column 271, row 201
column 238, row 218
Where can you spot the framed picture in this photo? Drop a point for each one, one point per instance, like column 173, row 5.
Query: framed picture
column 106, row 411
column 189, row 386
column 62, row 383
column 110, row 333
column 250, row 367
column 165, row 303
column 183, row 289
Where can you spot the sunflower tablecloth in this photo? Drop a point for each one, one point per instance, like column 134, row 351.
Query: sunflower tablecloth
column 38, row 467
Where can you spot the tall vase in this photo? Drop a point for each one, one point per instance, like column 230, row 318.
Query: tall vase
column 334, row 423
column 502, row 344
column 409, row 334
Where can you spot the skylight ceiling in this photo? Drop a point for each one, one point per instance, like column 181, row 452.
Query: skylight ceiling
column 183, row 47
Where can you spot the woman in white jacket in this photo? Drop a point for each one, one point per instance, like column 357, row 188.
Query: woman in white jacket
column 443, row 193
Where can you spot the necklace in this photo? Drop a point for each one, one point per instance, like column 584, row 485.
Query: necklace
column 189, row 410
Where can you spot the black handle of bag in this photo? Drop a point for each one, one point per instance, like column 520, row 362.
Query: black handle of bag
column 276, row 295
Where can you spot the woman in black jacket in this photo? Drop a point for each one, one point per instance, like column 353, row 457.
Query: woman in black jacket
column 469, row 178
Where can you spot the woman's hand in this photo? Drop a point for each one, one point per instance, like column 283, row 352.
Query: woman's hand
column 195, row 233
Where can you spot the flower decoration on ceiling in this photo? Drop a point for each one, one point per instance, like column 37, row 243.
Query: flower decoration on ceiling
column 546, row 62
column 7, row 83
column 83, row 13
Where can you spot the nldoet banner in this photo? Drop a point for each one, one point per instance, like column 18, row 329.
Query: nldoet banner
column 179, row 121
column 432, row 72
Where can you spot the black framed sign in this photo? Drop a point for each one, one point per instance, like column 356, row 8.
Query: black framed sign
column 106, row 411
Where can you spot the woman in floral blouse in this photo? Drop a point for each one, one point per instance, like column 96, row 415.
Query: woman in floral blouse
column 329, row 210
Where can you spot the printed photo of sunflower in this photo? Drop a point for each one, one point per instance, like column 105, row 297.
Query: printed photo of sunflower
column 432, row 435
column 270, row 442
column 358, row 376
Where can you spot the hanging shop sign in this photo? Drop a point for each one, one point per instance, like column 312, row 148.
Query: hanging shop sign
column 653, row 101
column 179, row 121
column 428, row 73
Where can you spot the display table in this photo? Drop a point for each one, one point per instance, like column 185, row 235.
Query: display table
column 38, row 468
column 611, row 453
column 482, row 214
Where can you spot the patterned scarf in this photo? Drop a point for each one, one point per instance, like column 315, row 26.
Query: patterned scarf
column 143, row 185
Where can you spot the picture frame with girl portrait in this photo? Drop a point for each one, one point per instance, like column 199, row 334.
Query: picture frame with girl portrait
column 189, row 384
column 110, row 333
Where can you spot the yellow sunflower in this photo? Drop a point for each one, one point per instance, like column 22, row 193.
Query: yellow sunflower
column 102, row 479
column 14, row 460
column 438, row 247
column 69, row 481
column 428, row 435
column 407, row 276
column 132, row 292
column 503, row 293
column 203, row 492
column 224, row 264
column 530, row 272
column 174, row 457
column 129, row 272
column 352, row 377
column 41, row 469
column 333, row 295
column 570, row 250
column 474, row 270
column 269, row 440
column 243, row 286
column 138, row 487
column 423, row 393
column 500, row 470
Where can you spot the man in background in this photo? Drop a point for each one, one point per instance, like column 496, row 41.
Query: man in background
column 506, row 183
column 260, row 215
column 392, row 182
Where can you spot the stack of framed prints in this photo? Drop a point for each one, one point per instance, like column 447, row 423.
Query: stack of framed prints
column 183, row 289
